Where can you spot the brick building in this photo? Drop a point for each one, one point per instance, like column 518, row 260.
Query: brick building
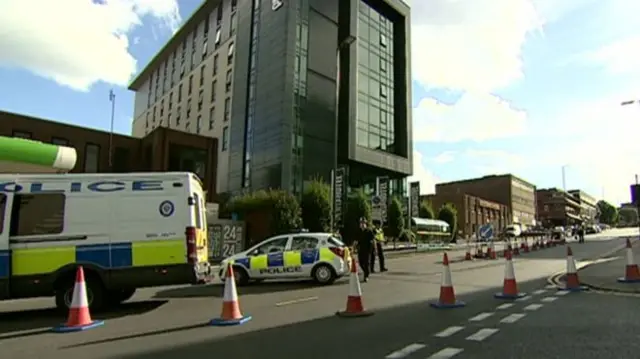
column 473, row 211
column 557, row 207
column 515, row 193
column 160, row 150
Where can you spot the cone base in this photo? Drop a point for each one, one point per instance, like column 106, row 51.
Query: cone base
column 440, row 305
column 573, row 289
column 509, row 296
column 219, row 322
column 345, row 314
column 63, row 328
column 628, row 280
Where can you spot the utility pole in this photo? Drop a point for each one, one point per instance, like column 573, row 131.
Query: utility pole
column 564, row 178
column 112, row 98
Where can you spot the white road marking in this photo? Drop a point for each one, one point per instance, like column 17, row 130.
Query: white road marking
column 539, row 291
column 406, row 351
column 512, row 318
column 446, row 353
column 548, row 299
column 562, row 292
column 482, row 334
column 551, row 286
column 449, row 331
column 505, row 306
column 481, row 316
column 296, row 301
column 532, row 307
column 523, row 299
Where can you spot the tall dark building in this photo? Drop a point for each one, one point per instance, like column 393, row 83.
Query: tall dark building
column 279, row 62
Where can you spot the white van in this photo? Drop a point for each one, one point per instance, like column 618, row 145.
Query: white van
column 128, row 231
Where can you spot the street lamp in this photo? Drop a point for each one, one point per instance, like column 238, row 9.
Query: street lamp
column 342, row 45
column 564, row 177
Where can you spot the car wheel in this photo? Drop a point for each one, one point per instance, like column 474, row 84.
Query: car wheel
column 324, row 274
column 241, row 276
column 96, row 296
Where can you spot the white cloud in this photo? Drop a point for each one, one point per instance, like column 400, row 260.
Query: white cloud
column 76, row 42
column 495, row 161
column 422, row 174
column 475, row 116
column 444, row 157
column 618, row 58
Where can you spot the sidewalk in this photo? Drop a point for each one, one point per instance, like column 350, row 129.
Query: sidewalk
column 604, row 274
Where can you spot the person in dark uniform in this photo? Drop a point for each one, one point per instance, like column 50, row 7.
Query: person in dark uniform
column 378, row 249
column 364, row 244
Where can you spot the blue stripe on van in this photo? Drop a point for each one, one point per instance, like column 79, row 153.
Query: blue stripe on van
column 117, row 255
column 309, row 256
column 5, row 263
column 275, row 260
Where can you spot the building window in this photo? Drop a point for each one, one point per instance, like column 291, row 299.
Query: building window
column 230, row 54
column 179, row 92
column 22, row 134
column 234, row 5
column 204, row 49
column 212, row 113
column 38, row 214
column 91, row 158
column 225, row 138
column 178, row 113
column 215, row 65
column 59, row 141
column 198, row 124
column 121, row 160
column 228, row 80
column 214, row 84
column 200, row 100
column 190, row 89
column 218, row 37
column 227, row 108
column 232, row 24
column 202, row 71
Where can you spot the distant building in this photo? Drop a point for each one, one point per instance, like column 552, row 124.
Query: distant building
column 473, row 211
column 515, row 193
column 588, row 209
column 556, row 207
column 159, row 150
column 635, row 193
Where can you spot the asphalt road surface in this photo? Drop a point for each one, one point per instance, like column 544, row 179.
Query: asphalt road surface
column 297, row 319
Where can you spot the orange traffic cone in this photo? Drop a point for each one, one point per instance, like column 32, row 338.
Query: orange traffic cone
column 355, row 308
column 631, row 273
column 572, row 281
column 447, row 298
column 231, row 314
column 79, row 317
column 509, row 286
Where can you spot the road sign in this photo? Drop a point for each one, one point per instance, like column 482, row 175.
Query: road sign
column 376, row 208
column 485, row 231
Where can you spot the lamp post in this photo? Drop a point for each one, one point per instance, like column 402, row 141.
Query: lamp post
column 564, row 177
column 343, row 44
column 112, row 99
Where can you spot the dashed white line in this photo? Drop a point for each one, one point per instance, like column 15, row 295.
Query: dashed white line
column 532, row 307
column 449, row 331
column 512, row 318
column 551, row 286
column 406, row 351
column 446, row 353
column 481, row 316
column 482, row 334
column 562, row 292
column 505, row 306
column 523, row 299
column 540, row 291
column 548, row 299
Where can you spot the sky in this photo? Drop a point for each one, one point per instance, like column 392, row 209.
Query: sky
column 529, row 87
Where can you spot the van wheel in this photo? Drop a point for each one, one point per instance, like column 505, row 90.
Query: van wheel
column 117, row 296
column 96, row 293
column 324, row 274
column 241, row 276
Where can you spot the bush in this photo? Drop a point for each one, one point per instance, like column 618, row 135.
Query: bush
column 358, row 206
column 267, row 213
column 395, row 218
column 449, row 214
column 316, row 207
column 426, row 210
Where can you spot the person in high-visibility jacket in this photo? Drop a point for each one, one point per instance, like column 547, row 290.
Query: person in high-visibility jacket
column 379, row 239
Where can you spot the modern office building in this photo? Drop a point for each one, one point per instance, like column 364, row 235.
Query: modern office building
column 160, row 150
column 588, row 209
column 515, row 193
column 556, row 207
column 261, row 75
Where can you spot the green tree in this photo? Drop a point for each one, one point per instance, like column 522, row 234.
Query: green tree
column 449, row 214
column 358, row 206
column 395, row 218
column 608, row 213
column 316, row 206
column 426, row 210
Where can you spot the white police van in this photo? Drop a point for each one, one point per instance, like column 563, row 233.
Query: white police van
column 319, row 256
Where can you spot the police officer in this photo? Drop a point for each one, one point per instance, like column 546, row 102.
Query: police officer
column 365, row 244
column 379, row 241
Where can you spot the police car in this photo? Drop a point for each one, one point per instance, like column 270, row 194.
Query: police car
column 320, row 256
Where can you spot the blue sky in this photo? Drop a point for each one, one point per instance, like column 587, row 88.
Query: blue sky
column 521, row 86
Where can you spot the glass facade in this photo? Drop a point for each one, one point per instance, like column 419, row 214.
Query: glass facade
column 375, row 128
column 299, row 94
column 251, row 95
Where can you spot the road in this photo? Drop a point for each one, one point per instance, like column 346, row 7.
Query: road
column 296, row 319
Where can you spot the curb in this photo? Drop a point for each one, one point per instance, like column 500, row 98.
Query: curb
column 554, row 278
